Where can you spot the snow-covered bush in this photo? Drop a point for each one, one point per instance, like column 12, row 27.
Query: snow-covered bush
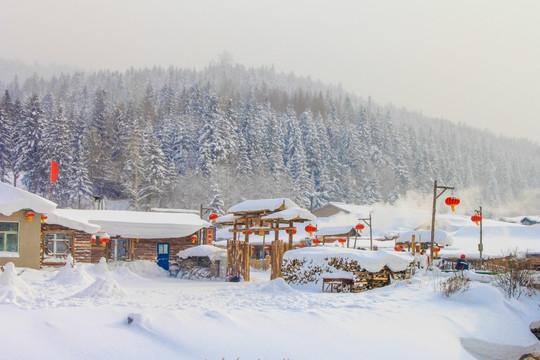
column 454, row 284
column 517, row 279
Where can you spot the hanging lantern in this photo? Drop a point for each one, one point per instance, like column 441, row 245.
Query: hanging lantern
column 289, row 231
column 105, row 238
column 43, row 218
column 194, row 238
column 213, row 216
column 342, row 241
column 29, row 215
column 452, row 202
column 316, row 241
column 93, row 239
column 436, row 249
column 359, row 227
column 245, row 232
column 310, row 229
column 476, row 218
column 267, row 248
column 398, row 248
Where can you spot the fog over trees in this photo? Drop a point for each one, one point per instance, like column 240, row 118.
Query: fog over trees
column 170, row 137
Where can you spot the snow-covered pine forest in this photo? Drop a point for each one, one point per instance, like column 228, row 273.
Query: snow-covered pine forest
column 180, row 137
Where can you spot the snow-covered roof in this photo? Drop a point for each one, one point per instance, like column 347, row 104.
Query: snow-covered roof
column 262, row 205
column 131, row 224
column 13, row 199
column 334, row 230
column 290, row 215
column 73, row 219
column 228, row 218
column 212, row 252
column 441, row 237
column 372, row 261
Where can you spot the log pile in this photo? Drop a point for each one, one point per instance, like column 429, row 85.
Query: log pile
column 306, row 271
column 198, row 267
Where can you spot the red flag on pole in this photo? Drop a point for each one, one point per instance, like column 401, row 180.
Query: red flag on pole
column 54, row 171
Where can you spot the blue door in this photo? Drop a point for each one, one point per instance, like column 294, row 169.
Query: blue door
column 163, row 255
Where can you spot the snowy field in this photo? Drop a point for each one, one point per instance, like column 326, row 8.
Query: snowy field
column 82, row 313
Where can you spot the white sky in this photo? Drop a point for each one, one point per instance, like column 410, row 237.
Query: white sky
column 475, row 62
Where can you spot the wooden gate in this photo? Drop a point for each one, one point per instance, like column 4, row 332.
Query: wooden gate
column 238, row 259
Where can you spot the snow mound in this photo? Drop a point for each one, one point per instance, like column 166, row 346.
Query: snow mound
column 102, row 266
column 276, row 286
column 104, row 287
column 123, row 273
column 72, row 275
column 13, row 289
column 145, row 268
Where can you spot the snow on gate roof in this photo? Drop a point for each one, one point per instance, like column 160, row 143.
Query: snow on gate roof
column 13, row 199
column 262, row 205
column 291, row 214
column 130, row 224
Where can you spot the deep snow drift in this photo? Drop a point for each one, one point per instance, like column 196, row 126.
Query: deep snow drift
column 85, row 316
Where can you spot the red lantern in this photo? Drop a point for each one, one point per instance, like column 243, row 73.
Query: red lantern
column 244, row 232
column 213, row 216
column 316, row 241
column 105, row 238
column 310, row 229
column 43, row 218
column 359, row 227
column 194, row 238
column 29, row 215
column 342, row 240
column 398, row 248
column 93, row 239
column 266, row 248
column 452, row 202
column 436, row 249
column 293, row 231
column 476, row 218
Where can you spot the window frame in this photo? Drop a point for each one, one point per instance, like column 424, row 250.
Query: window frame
column 44, row 247
column 4, row 241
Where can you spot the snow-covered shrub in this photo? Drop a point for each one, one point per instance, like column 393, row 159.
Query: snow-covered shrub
column 454, row 284
column 517, row 279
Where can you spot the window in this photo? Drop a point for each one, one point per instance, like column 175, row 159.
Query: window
column 57, row 246
column 9, row 236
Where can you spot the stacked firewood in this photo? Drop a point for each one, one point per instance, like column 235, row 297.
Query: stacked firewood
column 306, row 271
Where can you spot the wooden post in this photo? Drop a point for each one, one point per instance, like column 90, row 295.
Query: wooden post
column 435, row 197
column 290, row 235
column 370, row 234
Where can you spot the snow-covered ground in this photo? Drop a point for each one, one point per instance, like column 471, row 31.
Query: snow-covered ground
column 82, row 313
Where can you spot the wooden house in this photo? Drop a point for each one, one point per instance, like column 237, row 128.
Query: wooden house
column 89, row 235
column 20, row 226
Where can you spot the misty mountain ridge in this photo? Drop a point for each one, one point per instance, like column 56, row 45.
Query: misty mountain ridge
column 179, row 137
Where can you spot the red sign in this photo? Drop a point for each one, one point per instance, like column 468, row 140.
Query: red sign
column 209, row 236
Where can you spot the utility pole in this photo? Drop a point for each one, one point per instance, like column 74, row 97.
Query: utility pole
column 367, row 221
column 435, row 197
column 480, row 246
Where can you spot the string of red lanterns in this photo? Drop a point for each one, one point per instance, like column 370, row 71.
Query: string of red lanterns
column 293, row 231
